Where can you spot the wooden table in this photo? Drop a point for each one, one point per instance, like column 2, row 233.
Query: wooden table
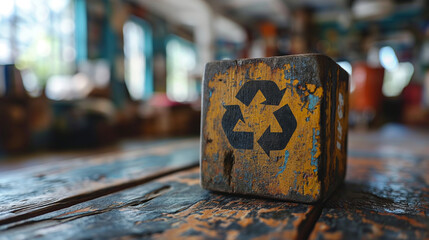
column 154, row 192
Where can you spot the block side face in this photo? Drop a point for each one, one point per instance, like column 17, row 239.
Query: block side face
column 336, row 112
column 264, row 142
column 342, row 123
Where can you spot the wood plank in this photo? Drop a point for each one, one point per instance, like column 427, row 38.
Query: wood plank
column 383, row 198
column 28, row 193
column 173, row 207
column 391, row 140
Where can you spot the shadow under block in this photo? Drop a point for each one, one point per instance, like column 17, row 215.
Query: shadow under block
column 275, row 127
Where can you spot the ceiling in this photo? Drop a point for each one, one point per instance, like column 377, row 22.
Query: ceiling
column 247, row 12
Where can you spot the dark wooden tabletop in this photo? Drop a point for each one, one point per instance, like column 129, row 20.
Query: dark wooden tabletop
column 154, row 192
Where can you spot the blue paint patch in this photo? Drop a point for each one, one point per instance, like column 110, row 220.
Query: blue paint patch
column 210, row 93
column 283, row 167
column 314, row 149
column 307, row 119
column 312, row 102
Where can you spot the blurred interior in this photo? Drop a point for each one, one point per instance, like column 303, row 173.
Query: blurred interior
column 78, row 74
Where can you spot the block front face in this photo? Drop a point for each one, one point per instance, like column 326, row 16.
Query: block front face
column 261, row 131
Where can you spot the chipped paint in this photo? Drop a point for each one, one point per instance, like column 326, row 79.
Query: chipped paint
column 312, row 102
column 283, row 167
column 314, row 155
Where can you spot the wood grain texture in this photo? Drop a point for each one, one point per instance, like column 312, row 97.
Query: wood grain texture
column 173, row 207
column 382, row 198
column 28, row 193
column 275, row 127
column 385, row 196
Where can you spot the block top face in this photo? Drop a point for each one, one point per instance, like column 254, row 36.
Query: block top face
column 262, row 127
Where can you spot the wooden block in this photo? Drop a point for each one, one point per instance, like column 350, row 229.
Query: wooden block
column 275, row 127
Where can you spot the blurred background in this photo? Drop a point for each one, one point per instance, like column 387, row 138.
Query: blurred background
column 78, row 74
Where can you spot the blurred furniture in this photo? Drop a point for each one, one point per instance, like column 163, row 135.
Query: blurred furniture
column 366, row 93
column 153, row 192
column 85, row 123
column 163, row 117
column 413, row 112
column 24, row 121
column 14, row 125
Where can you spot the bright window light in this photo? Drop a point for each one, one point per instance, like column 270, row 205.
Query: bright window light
column 38, row 36
column 58, row 87
column 136, row 49
column 181, row 60
column 6, row 8
column 64, row 87
column 388, row 58
column 5, row 53
column 31, row 83
column 58, row 5
column 397, row 79
column 135, row 61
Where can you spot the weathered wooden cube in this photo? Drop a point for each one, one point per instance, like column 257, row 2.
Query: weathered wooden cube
column 275, row 127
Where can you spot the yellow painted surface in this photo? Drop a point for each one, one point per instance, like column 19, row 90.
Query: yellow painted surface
column 293, row 169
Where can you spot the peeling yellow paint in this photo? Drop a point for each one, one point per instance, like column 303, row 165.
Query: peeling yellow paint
column 299, row 175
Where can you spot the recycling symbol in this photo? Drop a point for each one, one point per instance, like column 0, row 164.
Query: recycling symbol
column 269, row 140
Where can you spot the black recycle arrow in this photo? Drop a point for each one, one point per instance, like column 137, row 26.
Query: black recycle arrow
column 269, row 89
column 269, row 140
column 278, row 141
column 239, row 140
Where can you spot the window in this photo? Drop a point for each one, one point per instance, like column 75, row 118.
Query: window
column 138, row 58
column 181, row 62
column 38, row 36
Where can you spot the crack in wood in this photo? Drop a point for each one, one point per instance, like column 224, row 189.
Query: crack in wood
column 64, row 218
column 307, row 226
column 73, row 200
column 228, row 163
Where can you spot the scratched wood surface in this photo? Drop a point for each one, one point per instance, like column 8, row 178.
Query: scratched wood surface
column 34, row 191
column 383, row 198
column 386, row 192
column 173, row 207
